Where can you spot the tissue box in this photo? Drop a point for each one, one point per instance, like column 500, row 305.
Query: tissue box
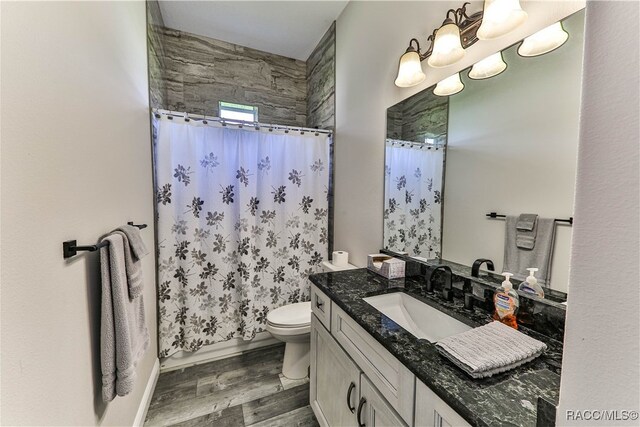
column 386, row 266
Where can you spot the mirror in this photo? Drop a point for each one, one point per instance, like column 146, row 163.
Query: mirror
column 414, row 164
column 509, row 143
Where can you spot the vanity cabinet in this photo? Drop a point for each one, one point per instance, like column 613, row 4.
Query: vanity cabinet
column 431, row 411
column 335, row 380
column 321, row 307
column 390, row 377
column 355, row 381
column 373, row 409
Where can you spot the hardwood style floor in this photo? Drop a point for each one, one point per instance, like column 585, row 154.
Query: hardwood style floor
column 246, row 390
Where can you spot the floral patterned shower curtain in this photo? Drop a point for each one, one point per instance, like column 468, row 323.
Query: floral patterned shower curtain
column 413, row 199
column 242, row 223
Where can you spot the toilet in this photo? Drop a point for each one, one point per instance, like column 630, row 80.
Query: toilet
column 291, row 324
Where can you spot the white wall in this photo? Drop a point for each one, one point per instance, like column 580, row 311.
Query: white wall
column 76, row 163
column 512, row 148
column 371, row 36
column 601, row 363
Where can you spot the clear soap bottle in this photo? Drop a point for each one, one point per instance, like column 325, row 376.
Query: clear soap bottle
column 531, row 285
column 506, row 302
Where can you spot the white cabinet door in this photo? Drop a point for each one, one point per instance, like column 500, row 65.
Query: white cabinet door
column 335, row 380
column 390, row 377
column 431, row 411
column 373, row 409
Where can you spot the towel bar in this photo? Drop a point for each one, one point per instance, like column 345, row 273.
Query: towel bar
column 70, row 247
column 495, row 215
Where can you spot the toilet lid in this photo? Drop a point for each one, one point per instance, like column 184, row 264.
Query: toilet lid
column 291, row 315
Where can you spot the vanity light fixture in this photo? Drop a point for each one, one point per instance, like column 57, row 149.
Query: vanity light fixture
column 457, row 32
column 500, row 17
column 490, row 66
column 544, row 41
column 447, row 47
column 449, row 86
column 410, row 70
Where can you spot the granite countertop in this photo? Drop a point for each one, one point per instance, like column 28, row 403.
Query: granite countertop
column 509, row 398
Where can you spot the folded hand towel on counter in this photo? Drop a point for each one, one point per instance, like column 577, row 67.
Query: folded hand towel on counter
column 134, row 251
column 517, row 260
column 123, row 331
column 490, row 349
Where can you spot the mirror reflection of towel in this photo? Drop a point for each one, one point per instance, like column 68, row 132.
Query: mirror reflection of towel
column 517, row 260
column 526, row 228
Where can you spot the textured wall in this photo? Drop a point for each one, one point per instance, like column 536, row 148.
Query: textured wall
column 201, row 71
column 155, row 50
column 601, row 362
column 321, row 82
column 424, row 115
column 76, row 163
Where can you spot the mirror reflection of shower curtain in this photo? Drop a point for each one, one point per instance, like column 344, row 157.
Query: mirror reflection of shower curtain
column 413, row 199
column 242, row 223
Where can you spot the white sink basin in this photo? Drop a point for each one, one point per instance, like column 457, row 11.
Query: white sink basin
column 416, row 317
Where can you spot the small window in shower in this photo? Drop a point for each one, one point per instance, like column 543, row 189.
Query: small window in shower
column 231, row 111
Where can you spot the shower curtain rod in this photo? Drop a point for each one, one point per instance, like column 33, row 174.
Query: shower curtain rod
column 240, row 123
column 414, row 144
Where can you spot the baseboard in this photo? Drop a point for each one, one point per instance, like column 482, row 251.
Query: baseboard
column 148, row 394
column 217, row 351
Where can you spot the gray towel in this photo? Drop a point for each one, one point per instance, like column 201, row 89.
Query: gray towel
column 138, row 247
column 526, row 222
column 132, row 263
column 517, row 260
column 123, row 331
column 490, row 349
column 526, row 231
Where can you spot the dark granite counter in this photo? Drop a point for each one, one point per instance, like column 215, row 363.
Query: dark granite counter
column 507, row 399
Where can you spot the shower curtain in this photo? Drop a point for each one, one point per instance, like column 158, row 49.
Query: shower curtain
column 242, row 223
column 413, row 199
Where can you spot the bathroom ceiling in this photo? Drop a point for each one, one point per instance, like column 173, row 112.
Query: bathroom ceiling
column 288, row 28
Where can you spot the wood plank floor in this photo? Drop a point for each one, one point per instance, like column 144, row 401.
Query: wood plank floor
column 242, row 391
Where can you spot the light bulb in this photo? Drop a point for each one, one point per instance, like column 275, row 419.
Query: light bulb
column 447, row 48
column 410, row 70
column 500, row 17
column 544, row 41
column 449, row 86
column 490, row 66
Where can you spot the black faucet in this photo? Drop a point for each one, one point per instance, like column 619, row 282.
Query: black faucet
column 471, row 300
column 475, row 269
column 447, row 292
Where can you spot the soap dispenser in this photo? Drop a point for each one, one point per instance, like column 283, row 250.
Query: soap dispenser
column 506, row 302
column 530, row 285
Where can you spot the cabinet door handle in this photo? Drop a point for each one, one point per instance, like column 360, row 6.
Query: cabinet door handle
column 351, row 387
column 360, row 406
column 319, row 303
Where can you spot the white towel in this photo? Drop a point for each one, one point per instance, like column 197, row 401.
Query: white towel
column 490, row 349
column 123, row 331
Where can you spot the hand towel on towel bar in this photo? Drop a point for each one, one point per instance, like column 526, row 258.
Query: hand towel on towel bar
column 526, row 231
column 490, row 349
column 517, row 260
column 123, row 331
column 134, row 251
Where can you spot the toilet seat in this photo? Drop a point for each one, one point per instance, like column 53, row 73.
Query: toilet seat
column 295, row 316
